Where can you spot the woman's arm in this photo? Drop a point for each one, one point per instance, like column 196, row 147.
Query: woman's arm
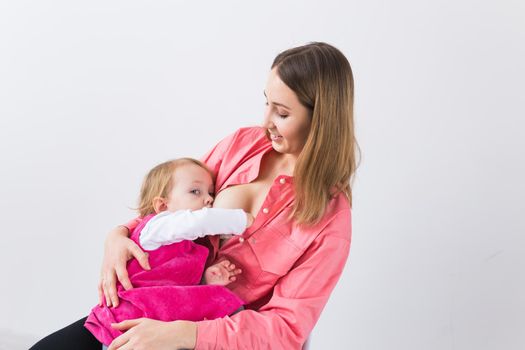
column 118, row 249
column 297, row 301
column 283, row 323
column 145, row 333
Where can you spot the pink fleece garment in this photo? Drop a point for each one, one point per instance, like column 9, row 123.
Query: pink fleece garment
column 169, row 291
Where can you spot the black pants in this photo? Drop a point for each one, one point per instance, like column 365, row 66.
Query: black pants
column 74, row 336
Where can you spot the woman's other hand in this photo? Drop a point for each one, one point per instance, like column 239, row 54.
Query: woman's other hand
column 118, row 249
column 145, row 333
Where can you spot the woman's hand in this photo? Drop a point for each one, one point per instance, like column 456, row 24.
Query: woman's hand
column 145, row 333
column 118, row 249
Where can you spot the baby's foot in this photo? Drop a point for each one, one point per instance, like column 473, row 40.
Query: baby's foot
column 221, row 273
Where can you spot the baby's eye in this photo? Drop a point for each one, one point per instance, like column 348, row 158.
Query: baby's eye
column 196, row 192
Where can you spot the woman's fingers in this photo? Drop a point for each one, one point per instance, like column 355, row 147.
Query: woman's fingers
column 122, row 341
column 127, row 346
column 112, row 291
column 123, row 277
column 141, row 256
column 125, row 325
column 109, row 285
column 118, row 249
column 100, row 294
column 119, row 342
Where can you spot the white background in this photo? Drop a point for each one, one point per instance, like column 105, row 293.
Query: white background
column 92, row 94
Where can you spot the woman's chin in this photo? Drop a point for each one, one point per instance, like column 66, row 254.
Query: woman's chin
column 278, row 146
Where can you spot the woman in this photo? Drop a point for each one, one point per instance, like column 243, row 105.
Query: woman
column 293, row 175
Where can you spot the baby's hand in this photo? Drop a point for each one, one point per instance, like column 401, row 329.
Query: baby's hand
column 249, row 220
column 221, row 273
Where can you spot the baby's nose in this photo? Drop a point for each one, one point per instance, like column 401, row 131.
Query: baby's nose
column 208, row 201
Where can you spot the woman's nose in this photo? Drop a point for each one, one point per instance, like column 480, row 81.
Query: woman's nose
column 267, row 121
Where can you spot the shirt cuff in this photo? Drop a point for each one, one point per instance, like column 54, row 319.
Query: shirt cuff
column 206, row 335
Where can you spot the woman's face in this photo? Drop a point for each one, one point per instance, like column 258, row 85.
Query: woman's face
column 285, row 118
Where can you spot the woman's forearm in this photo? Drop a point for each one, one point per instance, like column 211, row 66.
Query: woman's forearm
column 188, row 334
column 145, row 333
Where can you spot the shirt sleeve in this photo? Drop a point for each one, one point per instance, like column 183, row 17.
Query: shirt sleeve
column 130, row 225
column 171, row 227
column 297, row 301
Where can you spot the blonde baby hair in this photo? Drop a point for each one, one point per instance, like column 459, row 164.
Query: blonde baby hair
column 159, row 182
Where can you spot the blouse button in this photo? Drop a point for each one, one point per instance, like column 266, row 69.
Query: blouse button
column 282, row 181
column 241, row 239
column 265, row 210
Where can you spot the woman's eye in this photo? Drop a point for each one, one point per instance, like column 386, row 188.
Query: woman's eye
column 282, row 115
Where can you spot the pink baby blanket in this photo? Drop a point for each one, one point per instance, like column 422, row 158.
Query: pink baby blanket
column 169, row 291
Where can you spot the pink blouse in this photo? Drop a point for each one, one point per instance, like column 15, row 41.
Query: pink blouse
column 288, row 272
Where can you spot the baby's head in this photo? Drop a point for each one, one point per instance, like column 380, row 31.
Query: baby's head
column 178, row 184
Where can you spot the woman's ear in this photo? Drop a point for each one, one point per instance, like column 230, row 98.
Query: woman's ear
column 159, row 204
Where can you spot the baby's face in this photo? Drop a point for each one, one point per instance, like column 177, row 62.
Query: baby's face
column 193, row 188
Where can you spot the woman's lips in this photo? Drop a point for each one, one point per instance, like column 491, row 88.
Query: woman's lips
column 275, row 137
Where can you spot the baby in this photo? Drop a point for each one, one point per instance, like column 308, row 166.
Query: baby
column 175, row 208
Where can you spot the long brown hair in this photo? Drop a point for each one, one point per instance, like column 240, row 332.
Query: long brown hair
column 159, row 182
column 322, row 79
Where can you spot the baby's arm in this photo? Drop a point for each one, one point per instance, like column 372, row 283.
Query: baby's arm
column 170, row 227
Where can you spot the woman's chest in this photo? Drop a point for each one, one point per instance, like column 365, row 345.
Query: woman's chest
column 249, row 194
column 268, row 249
column 248, row 197
column 264, row 255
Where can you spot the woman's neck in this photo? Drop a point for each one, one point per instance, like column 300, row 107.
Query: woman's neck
column 282, row 164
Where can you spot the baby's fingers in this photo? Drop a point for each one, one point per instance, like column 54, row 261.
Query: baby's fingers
column 226, row 264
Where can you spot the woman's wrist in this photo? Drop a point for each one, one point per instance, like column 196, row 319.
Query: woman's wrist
column 187, row 330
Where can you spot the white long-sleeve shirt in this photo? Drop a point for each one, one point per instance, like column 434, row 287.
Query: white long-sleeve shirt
column 171, row 227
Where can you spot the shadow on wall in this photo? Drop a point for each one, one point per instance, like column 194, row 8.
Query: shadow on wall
column 10, row 340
